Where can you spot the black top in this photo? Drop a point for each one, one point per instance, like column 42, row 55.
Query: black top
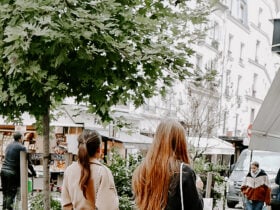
column 192, row 199
column 277, row 179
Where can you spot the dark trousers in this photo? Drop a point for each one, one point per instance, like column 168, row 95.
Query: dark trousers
column 9, row 189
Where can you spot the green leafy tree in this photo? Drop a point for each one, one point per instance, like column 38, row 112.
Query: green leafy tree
column 102, row 52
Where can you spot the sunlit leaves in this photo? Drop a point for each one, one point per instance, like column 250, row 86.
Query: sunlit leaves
column 102, row 52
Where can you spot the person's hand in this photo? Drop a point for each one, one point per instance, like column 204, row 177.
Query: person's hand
column 199, row 183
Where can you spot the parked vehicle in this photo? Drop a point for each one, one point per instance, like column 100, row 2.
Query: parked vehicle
column 269, row 161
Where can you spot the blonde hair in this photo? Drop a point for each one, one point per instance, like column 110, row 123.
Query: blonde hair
column 151, row 179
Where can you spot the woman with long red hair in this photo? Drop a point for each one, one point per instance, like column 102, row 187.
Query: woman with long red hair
column 157, row 182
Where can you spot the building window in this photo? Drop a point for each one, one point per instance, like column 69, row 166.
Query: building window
column 260, row 17
column 212, row 64
column 214, row 34
column 230, row 6
column 238, row 97
column 230, row 38
column 227, row 83
column 236, row 124
column 243, row 11
column 254, row 92
column 224, row 124
column 257, row 51
column 241, row 55
column 252, row 116
column 238, row 84
column 198, row 62
column 180, row 99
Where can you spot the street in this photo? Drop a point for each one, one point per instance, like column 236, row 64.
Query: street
column 237, row 207
column 220, row 206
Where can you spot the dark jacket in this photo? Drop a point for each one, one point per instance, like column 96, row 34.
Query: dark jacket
column 11, row 162
column 192, row 198
column 277, row 179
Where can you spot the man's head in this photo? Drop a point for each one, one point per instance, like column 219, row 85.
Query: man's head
column 17, row 136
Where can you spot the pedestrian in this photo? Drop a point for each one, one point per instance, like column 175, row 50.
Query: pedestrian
column 256, row 188
column 10, row 171
column 88, row 184
column 157, row 182
column 276, row 204
column 277, row 181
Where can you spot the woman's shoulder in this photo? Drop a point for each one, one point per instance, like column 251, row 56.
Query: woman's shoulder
column 103, row 168
column 187, row 167
column 72, row 166
column 106, row 169
column 188, row 171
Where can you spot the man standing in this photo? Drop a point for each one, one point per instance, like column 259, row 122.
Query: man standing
column 256, row 188
column 10, row 171
column 276, row 204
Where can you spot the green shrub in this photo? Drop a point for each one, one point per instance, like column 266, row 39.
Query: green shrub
column 122, row 170
column 36, row 202
column 202, row 167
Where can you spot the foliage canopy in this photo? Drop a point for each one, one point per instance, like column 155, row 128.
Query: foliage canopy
column 103, row 52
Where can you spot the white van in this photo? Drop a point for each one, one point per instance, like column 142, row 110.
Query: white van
column 269, row 162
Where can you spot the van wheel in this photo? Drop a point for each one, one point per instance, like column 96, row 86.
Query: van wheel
column 231, row 204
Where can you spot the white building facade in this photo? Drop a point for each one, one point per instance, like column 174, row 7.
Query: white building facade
column 238, row 47
column 247, row 65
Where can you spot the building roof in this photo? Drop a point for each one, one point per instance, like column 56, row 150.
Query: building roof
column 211, row 146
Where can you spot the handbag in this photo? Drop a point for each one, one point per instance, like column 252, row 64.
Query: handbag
column 265, row 207
column 181, row 185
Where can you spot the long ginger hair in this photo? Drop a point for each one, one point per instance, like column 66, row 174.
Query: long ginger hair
column 88, row 143
column 151, row 179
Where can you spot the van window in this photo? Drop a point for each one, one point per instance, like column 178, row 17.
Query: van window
column 269, row 161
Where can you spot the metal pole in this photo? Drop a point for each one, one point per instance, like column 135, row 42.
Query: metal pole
column 208, row 185
column 251, row 156
column 23, row 180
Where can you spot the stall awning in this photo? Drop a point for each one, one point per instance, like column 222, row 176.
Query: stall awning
column 266, row 126
column 211, row 146
column 63, row 119
column 134, row 140
column 130, row 141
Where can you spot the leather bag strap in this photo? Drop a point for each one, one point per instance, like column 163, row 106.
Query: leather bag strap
column 181, row 185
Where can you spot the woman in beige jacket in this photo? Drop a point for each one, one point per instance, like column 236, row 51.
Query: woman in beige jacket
column 88, row 184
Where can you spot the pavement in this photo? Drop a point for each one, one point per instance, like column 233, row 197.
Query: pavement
column 56, row 195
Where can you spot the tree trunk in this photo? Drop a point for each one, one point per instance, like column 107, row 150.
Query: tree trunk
column 46, row 158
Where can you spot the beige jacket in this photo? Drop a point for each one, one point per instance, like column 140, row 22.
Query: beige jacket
column 106, row 194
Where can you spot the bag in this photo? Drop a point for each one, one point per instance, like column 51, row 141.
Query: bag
column 266, row 207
